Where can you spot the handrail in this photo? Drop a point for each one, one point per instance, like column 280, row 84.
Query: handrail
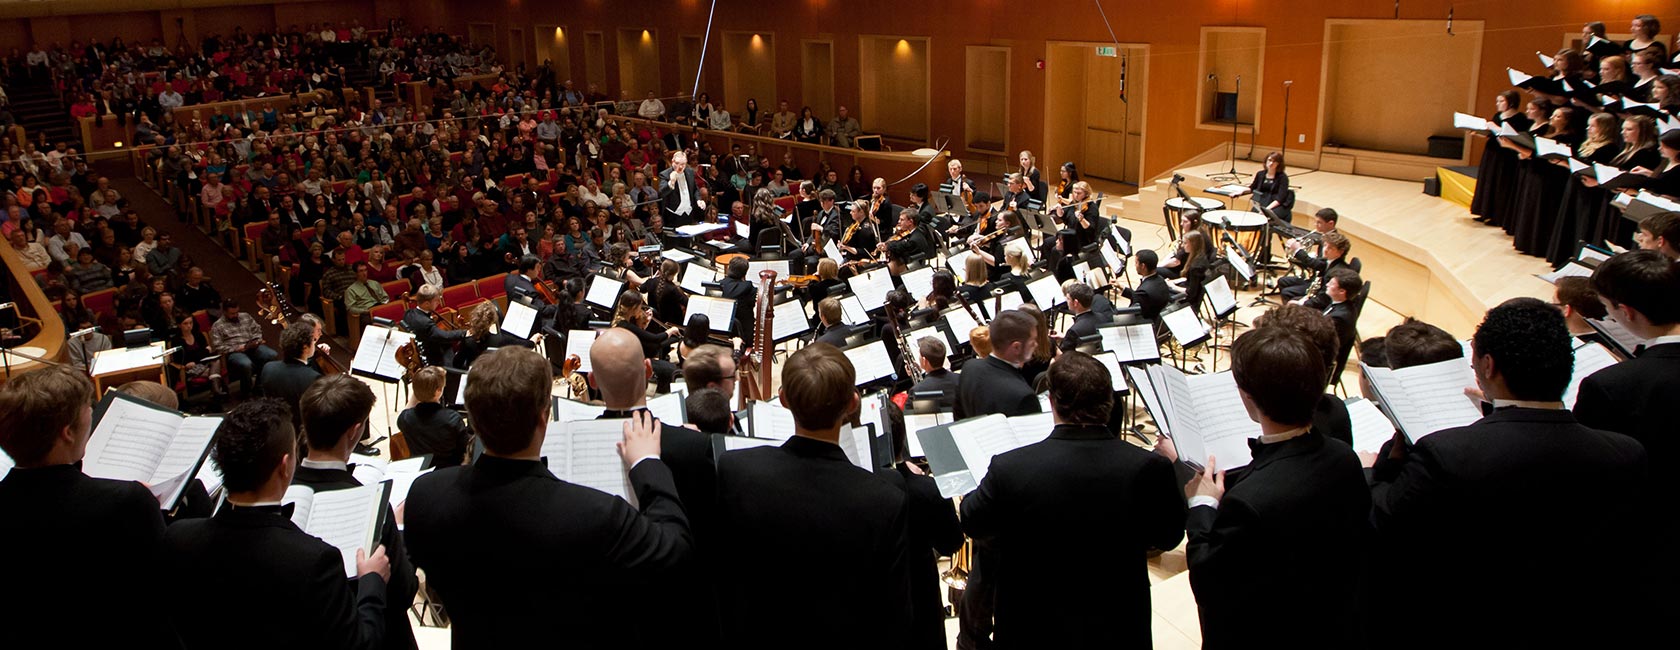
column 30, row 298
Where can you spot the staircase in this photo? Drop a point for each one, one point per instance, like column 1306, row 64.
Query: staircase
column 358, row 75
column 37, row 109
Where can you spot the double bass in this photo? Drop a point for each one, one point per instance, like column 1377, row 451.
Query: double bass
column 276, row 308
column 755, row 365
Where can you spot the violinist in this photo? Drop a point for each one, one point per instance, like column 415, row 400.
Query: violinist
column 1017, row 197
column 924, row 211
column 827, row 222
column 669, row 300
column 618, row 255
column 861, row 235
column 992, row 250
column 656, row 337
column 880, row 205
column 959, row 185
column 1031, row 178
column 421, row 320
column 1084, row 219
column 521, row 285
column 828, row 277
column 1064, row 190
column 480, row 338
column 907, row 240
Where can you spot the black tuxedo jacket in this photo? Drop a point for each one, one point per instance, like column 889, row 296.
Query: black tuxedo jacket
column 287, row 382
column 744, row 293
column 518, row 286
column 570, row 556
column 400, row 589
column 1321, row 299
column 835, row 336
column 1341, row 315
column 1490, row 509
column 942, row 380
column 83, row 561
column 991, row 385
column 429, row 428
column 1083, row 325
column 670, row 198
column 1637, row 398
column 1151, row 295
column 250, row 574
column 782, row 507
column 1294, row 530
column 934, row 532
column 434, row 341
column 1043, row 506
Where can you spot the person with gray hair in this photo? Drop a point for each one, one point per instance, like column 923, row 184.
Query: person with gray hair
column 678, row 195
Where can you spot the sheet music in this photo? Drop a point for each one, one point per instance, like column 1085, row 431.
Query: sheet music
column 915, row 335
column 1020, row 244
column 6, row 466
column 1604, row 172
column 1545, row 61
column 871, row 288
column 669, row 408
column 869, row 412
column 979, row 439
column 1046, row 292
column 790, row 322
column 695, row 277
column 1425, row 399
column 958, row 263
column 855, row 442
column 1517, row 78
column 125, row 359
column 520, row 320
column 852, row 311
column 1471, row 122
column 578, row 342
column 960, row 322
column 376, row 355
column 343, row 518
column 1617, row 332
column 1589, row 254
column 1220, row 296
column 593, row 459
column 737, row 443
column 1032, row 427
column 133, row 441
column 720, row 311
column 871, row 362
column 1589, row 358
column 461, row 390
column 913, row 425
column 1011, row 300
column 1549, row 147
column 1656, row 201
column 1232, row 190
column 208, row 473
column 1151, row 398
column 919, row 283
column 603, row 292
column 567, row 410
column 1370, row 427
column 1571, row 269
column 681, row 256
column 771, row 421
column 1115, row 374
column 1621, row 200
column 831, row 251
column 698, row 229
column 1209, row 419
column 1505, row 130
column 1131, row 343
column 1110, row 256
column 743, row 228
column 1185, row 325
column 1576, row 166
column 1119, row 237
column 755, row 266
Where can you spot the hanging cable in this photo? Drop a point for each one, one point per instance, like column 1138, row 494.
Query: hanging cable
column 703, row 43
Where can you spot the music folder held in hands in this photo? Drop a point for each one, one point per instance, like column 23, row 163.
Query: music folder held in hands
column 585, row 452
column 960, row 453
column 350, row 519
column 1425, row 399
column 136, row 440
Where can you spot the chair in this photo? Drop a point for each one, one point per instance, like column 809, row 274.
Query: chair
column 253, row 247
column 399, row 446
column 1357, row 306
column 1353, row 263
column 101, row 302
column 203, row 319
column 462, row 296
column 494, row 288
column 200, row 393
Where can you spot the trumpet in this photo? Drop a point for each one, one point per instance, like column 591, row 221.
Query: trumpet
column 1311, row 238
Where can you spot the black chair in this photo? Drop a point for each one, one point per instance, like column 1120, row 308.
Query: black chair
column 1357, row 306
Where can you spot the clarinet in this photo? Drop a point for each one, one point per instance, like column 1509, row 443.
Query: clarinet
column 968, row 307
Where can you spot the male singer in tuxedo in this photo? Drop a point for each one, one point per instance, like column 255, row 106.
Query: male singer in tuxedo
column 1295, row 528
column 824, row 509
column 1085, row 321
column 930, row 351
column 744, row 292
column 251, row 574
column 1083, row 488
column 678, row 195
column 1151, row 295
column 579, row 556
column 81, row 553
column 335, row 414
column 421, row 321
column 1477, row 518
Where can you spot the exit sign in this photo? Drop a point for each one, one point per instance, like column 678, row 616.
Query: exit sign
column 1106, row 50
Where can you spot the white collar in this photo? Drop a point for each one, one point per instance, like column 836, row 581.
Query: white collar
column 324, row 464
column 1528, row 404
column 1274, row 438
column 1662, row 340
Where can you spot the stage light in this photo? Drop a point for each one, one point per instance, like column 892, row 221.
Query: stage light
column 903, row 48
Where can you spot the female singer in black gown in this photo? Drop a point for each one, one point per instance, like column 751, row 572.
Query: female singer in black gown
column 1580, row 202
column 1639, row 149
column 1539, row 110
column 1665, row 178
column 1271, row 188
column 1542, row 188
column 1496, row 178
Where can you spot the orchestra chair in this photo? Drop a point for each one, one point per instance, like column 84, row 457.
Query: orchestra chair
column 494, row 290
column 1357, row 306
column 399, row 446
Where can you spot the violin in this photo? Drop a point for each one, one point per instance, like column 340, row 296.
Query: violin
column 798, row 281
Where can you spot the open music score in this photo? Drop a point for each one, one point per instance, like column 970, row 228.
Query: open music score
column 6, row 465
column 1589, row 358
column 376, row 355
column 135, row 440
column 578, row 343
column 1208, row 418
column 585, row 452
column 669, row 408
column 1046, row 292
column 1234, row 256
column 1220, row 297
column 769, row 420
column 919, row 283
column 1424, row 399
column 521, row 319
column 603, row 292
column 855, row 442
column 125, row 359
column 721, row 312
column 976, row 440
column 1370, row 427
column 1473, row 123
column 756, row 266
column 349, row 519
column 695, row 276
column 872, row 287
column 852, row 311
column 915, row 335
column 1569, row 270
column 790, row 321
column 1010, row 300
column 722, row 443
column 400, row 474
column 569, row 410
column 1186, row 327
column 1130, row 343
column 960, row 323
column 1116, row 375
column 914, row 423
column 871, row 362
column 1621, row 340
column 958, row 263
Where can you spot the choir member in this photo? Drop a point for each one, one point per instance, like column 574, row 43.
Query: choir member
column 1540, row 187
column 1637, row 396
column 1639, row 149
column 1580, row 201
column 1330, row 414
column 1660, row 232
column 1538, row 111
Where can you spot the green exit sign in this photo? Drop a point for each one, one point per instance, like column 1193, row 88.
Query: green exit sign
column 1106, row 50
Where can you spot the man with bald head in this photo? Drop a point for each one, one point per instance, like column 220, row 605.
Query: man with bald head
column 678, row 195
column 621, row 371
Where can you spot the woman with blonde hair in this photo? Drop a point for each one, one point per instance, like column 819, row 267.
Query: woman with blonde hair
column 1580, row 201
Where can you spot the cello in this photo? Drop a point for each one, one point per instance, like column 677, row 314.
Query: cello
column 275, row 307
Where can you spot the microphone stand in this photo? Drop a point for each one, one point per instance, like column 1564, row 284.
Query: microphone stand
column 1235, row 121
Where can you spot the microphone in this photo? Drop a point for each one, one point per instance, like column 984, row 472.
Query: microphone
column 1450, row 21
column 1178, row 178
column 1211, row 77
column 7, row 305
column 1287, row 84
column 168, row 352
column 83, row 332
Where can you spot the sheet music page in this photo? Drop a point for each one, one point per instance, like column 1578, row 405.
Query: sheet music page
column 1616, row 332
column 1110, row 256
column 852, row 311
column 1589, row 358
column 343, row 518
column 1590, row 254
column 1185, row 325
column 979, row 439
column 1011, row 300
column 961, row 323
column 831, row 251
column 918, row 282
column 958, row 263
column 681, row 256
column 870, row 413
column 1548, row 147
column 208, row 473
column 461, row 389
column 124, row 359
column 737, row 443
column 779, row 266
column 1141, row 338
column 854, row 441
column 603, row 292
column 1621, row 200
column 1115, row 374
column 915, row 422
column 375, row 345
column 771, row 421
column 1517, row 78
column 1237, row 261
column 1032, row 428
column 1657, row 201
column 790, row 320
column 557, row 447
column 698, row 229
column 1604, row 172
column 1545, row 61
column 1082, row 270
column 594, row 461
column 1467, row 121
column 1571, row 269
column 575, row 411
column 578, row 342
column 1220, row 296
column 1216, row 422
column 695, row 277
column 6, row 466
column 130, row 441
column 180, row 461
column 1370, row 427
column 520, row 319
column 871, row 361
column 668, row 408
column 1506, row 130
column 1021, row 244
column 743, row 228
column 1046, row 292
column 915, row 335
column 1429, row 398
column 1125, row 246
column 871, row 288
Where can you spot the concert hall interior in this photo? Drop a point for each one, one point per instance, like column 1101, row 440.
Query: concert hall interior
column 940, row 324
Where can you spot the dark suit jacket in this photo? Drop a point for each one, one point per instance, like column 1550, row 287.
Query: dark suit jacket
column 1294, row 530
column 1083, row 325
column 1103, row 308
column 934, row 532
column 1321, row 299
column 82, row 552
column 433, row 340
column 940, row 380
column 287, row 381
column 991, row 385
column 1330, row 417
column 835, row 336
column 400, row 590
column 252, row 575
column 744, row 293
column 858, row 525
column 1341, row 315
column 517, row 286
column 1637, row 397
column 1490, row 509
column 574, row 555
column 474, row 347
column 1043, row 507
column 1151, row 295
column 429, row 428
column 670, row 197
